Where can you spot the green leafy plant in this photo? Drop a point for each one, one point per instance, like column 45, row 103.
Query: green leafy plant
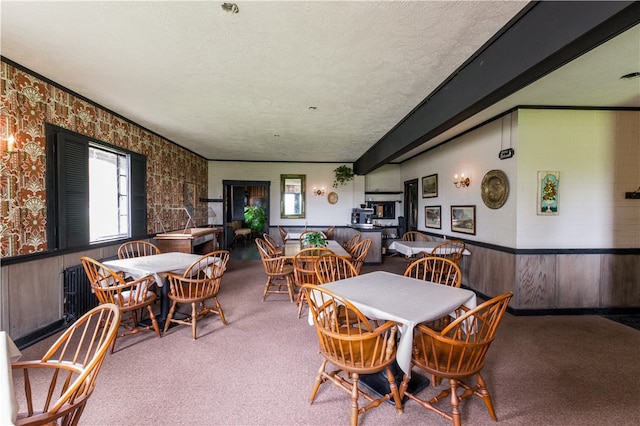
column 255, row 217
column 343, row 174
column 314, row 239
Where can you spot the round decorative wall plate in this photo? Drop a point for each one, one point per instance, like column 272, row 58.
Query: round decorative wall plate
column 332, row 198
column 494, row 189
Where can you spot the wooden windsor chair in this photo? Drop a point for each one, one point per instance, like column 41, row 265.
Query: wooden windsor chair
column 354, row 346
column 283, row 235
column 456, row 353
column 359, row 253
column 199, row 283
column 56, row 387
column 305, row 272
column 275, row 247
column 331, row 267
column 437, row 270
column 351, row 242
column 137, row 249
column 129, row 296
column 279, row 272
column 450, row 249
column 330, row 232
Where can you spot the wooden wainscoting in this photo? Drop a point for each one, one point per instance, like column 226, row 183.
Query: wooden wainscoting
column 555, row 281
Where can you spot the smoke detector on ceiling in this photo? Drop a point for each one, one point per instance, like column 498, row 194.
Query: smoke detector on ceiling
column 230, row 7
column 630, row 75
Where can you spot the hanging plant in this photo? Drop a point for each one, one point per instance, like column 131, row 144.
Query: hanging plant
column 343, row 174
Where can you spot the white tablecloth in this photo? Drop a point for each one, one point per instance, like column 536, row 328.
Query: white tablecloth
column 296, row 235
column 293, row 247
column 155, row 265
column 407, row 301
column 8, row 404
column 411, row 248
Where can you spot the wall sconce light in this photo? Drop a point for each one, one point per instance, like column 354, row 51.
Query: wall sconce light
column 11, row 144
column 461, row 182
column 318, row 191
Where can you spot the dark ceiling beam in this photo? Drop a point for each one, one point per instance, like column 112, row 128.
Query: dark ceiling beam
column 545, row 36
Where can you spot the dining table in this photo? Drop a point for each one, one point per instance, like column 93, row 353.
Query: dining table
column 157, row 265
column 8, row 404
column 291, row 248
column 296, row 235
column 382, row 295
column 411, row 248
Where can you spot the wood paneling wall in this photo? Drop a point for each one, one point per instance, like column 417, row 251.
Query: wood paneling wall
column 555, row 281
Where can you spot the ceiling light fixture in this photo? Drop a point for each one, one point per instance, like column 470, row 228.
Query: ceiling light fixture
column 630, row 75
column 230, row 7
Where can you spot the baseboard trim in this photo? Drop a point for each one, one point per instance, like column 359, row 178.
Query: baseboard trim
column 40, row 334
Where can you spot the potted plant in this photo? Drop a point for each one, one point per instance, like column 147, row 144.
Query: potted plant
column 314, row 239
column 343, row 174
column 255, row 217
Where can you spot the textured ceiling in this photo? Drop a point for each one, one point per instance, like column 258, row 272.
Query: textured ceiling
column 240, row 86
column 279, row 81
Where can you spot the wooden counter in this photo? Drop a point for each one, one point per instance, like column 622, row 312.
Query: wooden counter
column 192, row 240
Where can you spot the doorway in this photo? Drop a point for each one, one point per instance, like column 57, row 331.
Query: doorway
column 410, row 205
column 237, row 195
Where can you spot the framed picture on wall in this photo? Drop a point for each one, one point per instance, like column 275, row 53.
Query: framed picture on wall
column 433, row 217
column 463, row 219
column 430, row 186
column 548, row 193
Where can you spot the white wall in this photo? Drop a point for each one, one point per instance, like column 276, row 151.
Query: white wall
column 473, row 154
column 598, row 156
column 596, row 152
column 318, row 210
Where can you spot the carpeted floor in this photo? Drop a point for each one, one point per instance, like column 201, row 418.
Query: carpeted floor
column 260, row 369
column 632, row 321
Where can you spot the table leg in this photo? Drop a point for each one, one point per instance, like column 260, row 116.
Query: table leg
column 379, row 385
column 164, row 304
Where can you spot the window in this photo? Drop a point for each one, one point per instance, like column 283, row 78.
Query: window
column 95, row 192
column 108, row 195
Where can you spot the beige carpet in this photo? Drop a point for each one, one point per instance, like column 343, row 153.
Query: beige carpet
column 259, row 370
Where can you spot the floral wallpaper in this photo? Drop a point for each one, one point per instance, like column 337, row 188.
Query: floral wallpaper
column 27, row 104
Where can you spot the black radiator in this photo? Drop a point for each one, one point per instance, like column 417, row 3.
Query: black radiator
column 78, row 297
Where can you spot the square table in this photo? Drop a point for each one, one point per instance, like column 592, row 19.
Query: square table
column 292, row 247
column 408, row 301
column 411, row 248
column 156, row 265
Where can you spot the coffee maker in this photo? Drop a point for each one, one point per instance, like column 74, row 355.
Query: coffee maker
column 360, row 216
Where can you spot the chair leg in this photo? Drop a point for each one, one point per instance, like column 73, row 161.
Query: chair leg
column 301, row 300
column 455, row 401
column 170, row 316
column 219, row 309
column 318, row 382
column 194, row 317
column 266, row 287
column 154, row 322
column 486, row 397
column 394, row 391
column 290, row 285
column 354, row 399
